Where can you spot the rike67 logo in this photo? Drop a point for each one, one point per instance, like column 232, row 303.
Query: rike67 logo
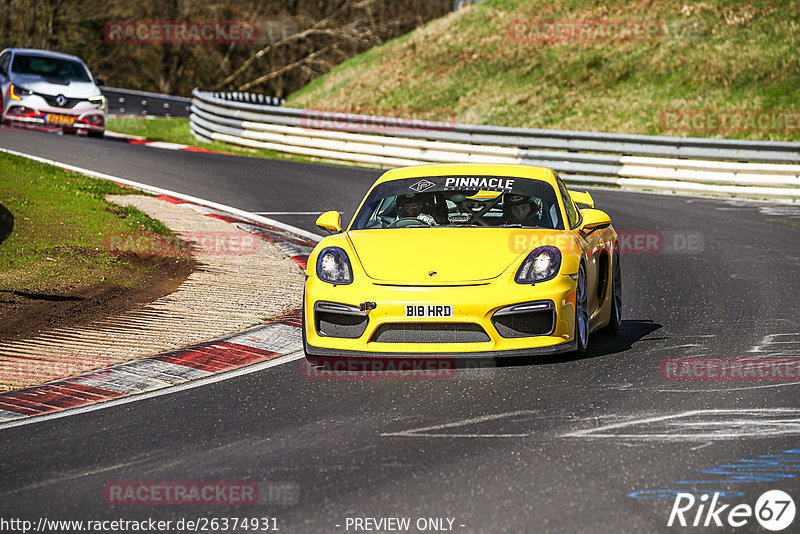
column 774, row 510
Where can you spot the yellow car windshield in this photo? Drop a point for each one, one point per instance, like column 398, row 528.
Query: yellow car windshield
column 437, row 202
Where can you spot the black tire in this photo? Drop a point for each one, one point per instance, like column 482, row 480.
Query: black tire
column 311, row 361
column 303, row 325
column 615, row 321
column 96, row 135
column 581, row 313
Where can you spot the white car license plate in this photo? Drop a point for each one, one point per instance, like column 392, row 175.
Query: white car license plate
column 429, row 310
column 59, row 119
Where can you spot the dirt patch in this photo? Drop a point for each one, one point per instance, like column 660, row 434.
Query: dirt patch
column 24, row 314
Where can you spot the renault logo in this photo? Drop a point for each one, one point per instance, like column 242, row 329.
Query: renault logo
column 431, row 273
column 61, row 100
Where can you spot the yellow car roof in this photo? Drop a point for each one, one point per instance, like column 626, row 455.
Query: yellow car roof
column 470, row 169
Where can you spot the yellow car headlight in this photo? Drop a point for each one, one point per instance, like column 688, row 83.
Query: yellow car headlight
column 333, row 266
column 540, row 265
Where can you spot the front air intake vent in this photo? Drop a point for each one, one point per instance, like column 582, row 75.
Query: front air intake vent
column 339, row 320
column 525, row 320
column 430, row 333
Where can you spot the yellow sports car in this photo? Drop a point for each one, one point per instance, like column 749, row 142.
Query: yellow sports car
column 473, row 260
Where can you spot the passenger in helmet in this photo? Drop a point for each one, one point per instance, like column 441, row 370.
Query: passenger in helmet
column 418, row 206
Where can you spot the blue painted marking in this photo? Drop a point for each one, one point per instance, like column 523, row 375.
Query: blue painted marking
column 764, row 468
column 671, row 493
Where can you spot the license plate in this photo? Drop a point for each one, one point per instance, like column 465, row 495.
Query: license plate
column 429, row 310
column 59, row 119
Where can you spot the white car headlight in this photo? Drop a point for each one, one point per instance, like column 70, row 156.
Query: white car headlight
column 99, row 101
column 16, row 92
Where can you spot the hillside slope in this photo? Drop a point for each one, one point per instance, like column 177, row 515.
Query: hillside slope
column 710, row 69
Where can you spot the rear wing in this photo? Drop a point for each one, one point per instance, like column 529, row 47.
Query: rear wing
column 584, row 199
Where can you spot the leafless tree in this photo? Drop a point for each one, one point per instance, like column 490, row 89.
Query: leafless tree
column 298, row 39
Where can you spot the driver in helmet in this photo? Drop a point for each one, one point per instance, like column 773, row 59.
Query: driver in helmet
column 417, row 206
column 522, row 210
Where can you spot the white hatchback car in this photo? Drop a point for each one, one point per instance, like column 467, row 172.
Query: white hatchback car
column 42, row 89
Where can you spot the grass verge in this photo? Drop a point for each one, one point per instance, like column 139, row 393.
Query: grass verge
column 54, row 226
column 495, row 63
column 169, row 130
column 176, row 130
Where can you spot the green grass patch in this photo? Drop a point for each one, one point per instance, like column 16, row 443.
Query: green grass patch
column 176, row 130
column 54, row 226
column 487, row 65
column 172, row 130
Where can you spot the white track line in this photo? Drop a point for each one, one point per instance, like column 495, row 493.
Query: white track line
column 198, row 382
column 289, row 212
column 159, row 191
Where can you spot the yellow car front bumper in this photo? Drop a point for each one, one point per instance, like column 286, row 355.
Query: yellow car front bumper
column 479, row 319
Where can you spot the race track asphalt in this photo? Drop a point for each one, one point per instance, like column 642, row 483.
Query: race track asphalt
column 559, row 444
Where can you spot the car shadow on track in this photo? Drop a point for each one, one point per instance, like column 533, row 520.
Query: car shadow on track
column 318, row 367
column 600, row 344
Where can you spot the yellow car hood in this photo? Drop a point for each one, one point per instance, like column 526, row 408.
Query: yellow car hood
column 455, row 255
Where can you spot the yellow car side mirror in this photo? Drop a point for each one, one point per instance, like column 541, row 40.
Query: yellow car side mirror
column 594, row 220
column 330, row 221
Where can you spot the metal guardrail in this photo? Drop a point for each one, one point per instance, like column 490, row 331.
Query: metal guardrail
column 143, row 103
column 758, row 169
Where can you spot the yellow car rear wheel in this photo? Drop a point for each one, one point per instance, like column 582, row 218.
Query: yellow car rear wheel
column 615, row 321
column 581, row 313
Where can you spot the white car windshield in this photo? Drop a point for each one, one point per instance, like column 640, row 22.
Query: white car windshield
column 50, row 68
